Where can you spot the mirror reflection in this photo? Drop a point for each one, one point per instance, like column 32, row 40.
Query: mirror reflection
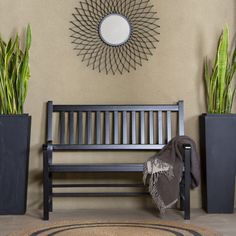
column 115, row 29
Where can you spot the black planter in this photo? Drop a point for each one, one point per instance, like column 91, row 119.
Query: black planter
column 14, row 162
column 218, row 156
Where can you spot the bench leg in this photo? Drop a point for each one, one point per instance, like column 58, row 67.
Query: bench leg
column 50, row 192
column 187, row 182
column 46, row 185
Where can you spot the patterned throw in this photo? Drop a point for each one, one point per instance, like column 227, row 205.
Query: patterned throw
column 163, row 172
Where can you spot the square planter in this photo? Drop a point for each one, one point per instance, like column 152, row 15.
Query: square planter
column 218, row 157
column 14, row 162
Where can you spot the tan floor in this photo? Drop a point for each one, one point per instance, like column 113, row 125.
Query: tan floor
column 226, row 224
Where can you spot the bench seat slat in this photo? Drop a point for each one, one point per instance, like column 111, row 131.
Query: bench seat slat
column 141, row 185
column 77, row 147
column 96, row 168
column 99, row 194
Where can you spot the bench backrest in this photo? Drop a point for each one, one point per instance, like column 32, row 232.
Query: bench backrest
column 122, row 127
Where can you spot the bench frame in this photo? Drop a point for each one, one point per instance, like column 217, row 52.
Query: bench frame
column 48, row 148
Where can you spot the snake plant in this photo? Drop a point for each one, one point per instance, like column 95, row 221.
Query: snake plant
column 14, row 74
column 219, row 88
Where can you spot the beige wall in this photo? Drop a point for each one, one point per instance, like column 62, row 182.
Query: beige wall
column 189, row 29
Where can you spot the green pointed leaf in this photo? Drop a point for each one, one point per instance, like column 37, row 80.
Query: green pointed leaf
column 222, row 60
column 28, row 38
column 219, row 82
column 14, row 74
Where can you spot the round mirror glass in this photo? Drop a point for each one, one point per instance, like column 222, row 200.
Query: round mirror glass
column 115, row 29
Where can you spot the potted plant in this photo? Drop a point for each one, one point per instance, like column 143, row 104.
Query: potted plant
column 218, row 132
column 14, row 125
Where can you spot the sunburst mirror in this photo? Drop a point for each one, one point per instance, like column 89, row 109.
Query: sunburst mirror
column 114, row 35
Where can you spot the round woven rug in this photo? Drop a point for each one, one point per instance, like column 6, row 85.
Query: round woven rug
column 160, row 228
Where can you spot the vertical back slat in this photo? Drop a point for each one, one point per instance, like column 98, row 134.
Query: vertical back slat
column 181, row 117
column 133, row 127
column 168, row 126
column 62, row 127
column 89, row 127
column 151, row 127
column 107, row 127
column 160, row 134
column 71, row 127
column 124, row 127
column 142, row 127
column 98, row 127
column 80, row 127
column 49, row 121
column 116, row 127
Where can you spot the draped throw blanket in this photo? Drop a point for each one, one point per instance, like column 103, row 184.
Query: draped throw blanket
column 163, row 172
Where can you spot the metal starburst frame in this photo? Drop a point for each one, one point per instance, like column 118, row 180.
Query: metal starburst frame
column 102, row 56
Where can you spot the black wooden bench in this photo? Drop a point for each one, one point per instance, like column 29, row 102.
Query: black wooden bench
column 110, row 128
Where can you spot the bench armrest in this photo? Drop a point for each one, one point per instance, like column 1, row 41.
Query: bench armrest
column 47, row 154
column 47, row 147
column 187, row 146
